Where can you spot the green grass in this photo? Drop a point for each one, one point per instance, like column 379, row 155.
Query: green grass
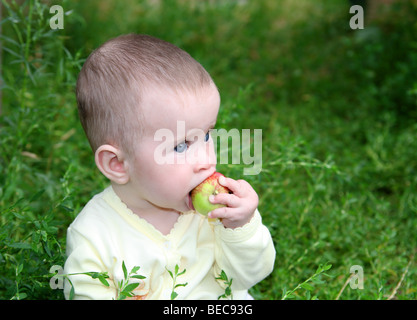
column 337, row 107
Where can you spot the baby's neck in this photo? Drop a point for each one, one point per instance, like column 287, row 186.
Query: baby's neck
column 161, row 219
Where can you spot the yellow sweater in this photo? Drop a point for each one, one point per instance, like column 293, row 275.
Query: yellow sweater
column 106, row 233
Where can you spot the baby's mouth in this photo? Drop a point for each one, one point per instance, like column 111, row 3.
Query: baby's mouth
column 190, row 202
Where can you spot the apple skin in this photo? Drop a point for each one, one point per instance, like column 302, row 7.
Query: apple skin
column 200, row 194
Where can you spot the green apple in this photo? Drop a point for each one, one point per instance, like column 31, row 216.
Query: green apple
column 200, row 194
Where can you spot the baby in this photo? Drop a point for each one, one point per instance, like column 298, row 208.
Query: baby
column 128, row 89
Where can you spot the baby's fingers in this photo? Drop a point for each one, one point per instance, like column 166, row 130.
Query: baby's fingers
column 221, row 213
column 232, row 185
column 231, row 217
column 228, row 199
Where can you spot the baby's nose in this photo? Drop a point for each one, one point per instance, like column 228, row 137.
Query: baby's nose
column 206, row 158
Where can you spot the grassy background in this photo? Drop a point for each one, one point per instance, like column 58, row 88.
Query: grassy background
column 338, row 110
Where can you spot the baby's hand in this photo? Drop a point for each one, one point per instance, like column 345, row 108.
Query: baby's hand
column 241, row 204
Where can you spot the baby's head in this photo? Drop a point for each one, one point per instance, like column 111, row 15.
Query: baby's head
column 118, row 75
column 130, row 88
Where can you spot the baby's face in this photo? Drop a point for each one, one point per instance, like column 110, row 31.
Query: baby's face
column 176, row 152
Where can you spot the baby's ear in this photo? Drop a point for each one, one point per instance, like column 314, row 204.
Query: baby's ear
column 111, row 162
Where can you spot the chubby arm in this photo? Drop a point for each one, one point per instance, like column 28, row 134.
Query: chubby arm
column 244, row 247
column 246, row 254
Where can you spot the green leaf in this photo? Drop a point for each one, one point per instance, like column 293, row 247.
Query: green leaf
column 318, row 280
column 135, row 269
column 20, row 245
column 22, row 296
column 37, row 195
column 72, row 293
column 68, row 209
column 138, row 276
column 307, row 286
column 173, row 295
column 181, row 285
column 322, row 268
column 103, row 281
column 222, row 276
column 131, row 287
column 327, row 267
column 182, row 272
column 124, row 270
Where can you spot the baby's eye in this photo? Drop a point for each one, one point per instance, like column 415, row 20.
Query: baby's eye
column 181, row 147
column 207, row 137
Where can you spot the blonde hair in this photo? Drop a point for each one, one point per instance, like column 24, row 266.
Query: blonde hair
column 113, row 80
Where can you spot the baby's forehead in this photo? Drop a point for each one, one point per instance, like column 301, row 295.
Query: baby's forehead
column 160, row 98
column 163, row 107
